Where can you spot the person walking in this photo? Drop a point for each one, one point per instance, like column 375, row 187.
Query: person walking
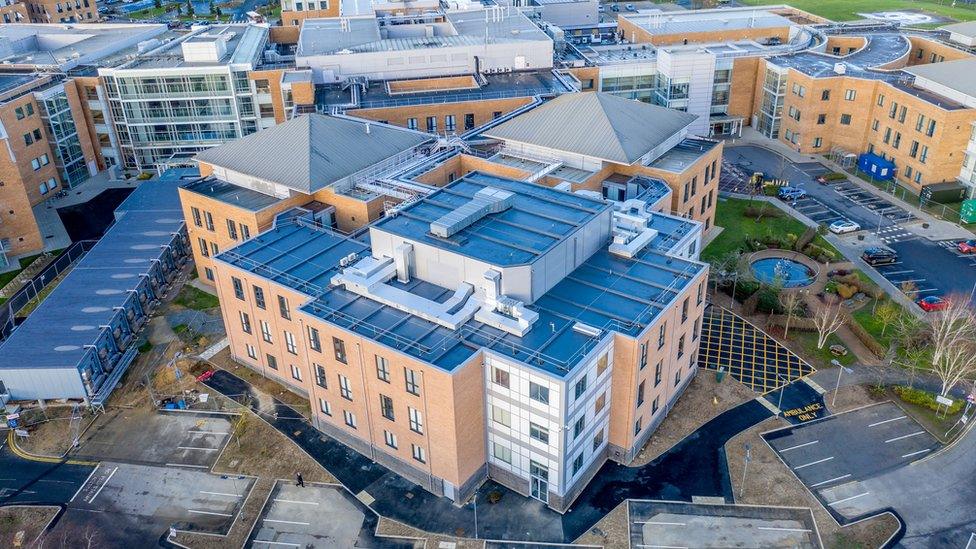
column 301, row 481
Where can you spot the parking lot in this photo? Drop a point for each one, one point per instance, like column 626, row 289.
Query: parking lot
column 834, row 455
column 147, row 437
column 668, row 524
column 318, row 515
column 164, row 497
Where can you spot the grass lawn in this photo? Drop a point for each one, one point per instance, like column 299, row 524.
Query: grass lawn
column 739, row 228
column 196, row 299
column 821, row 357
column 846, row 10
column 24, row 263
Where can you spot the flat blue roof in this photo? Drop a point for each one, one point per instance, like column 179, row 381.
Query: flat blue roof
column 72, row 316
column 607, row 292
column 540, row 217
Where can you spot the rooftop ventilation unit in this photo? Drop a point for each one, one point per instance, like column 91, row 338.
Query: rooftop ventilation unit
column 840, row 68
column 488, row 200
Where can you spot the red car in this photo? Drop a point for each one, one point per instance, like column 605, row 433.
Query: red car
column 932, row 303
column 967, row 246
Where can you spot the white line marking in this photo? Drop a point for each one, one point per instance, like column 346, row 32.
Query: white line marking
column 660, row 523
column 110, row 475
column 296, row 501
column 812, row 463
column 90, row 475
column 799, row 446
column 187, row 465
column 847, row 499
column 904, row 436
column 917, row 453
column 783, row 529
column 221, row 494
column 207, row 432
column 276, row 543
column 197, row 448
column 285, row 521
column 208, row 513
column 887, row 421
column 663, row 546
column 829, row 480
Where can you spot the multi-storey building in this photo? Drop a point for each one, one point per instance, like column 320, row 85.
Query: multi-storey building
column 295, row 12
column 62, row 11
column 13, row 12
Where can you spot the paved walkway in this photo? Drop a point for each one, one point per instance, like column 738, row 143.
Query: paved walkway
column 695, row 466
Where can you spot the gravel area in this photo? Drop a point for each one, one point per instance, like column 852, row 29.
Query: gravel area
column 612, row 531
column 242, row 526
column 20, row 525
column 387, row 527
column 52, row 437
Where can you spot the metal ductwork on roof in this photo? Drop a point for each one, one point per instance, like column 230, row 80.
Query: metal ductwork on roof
column 488, row 200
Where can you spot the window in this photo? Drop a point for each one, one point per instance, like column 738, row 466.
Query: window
column 913, row 149
column 259, row 297
column 245, row 232
column 920, row 122
column 469, row 121
column 245, row 323
column 918, row 177
column 35, row 164
column 416, row 420
column 272, row 361
column 654, row 404
column 825, row 95
column 799, row 90
column 501, row 416
column 231, row 229
column 902, row 113
column 677, row 377
column 502, row 453
column 640, row 394
column 238, row 287
column 324, row 407
column 296, row 373
column 209, row 220
column 350, row 418
column 684, row 310
column 539, row 433
column 597, row 439
column 390, row 438
column 251, row 352
column 382, row 369
column 345, row 391
column 657, row 372
column 449, row 123
column 386, row 407
column 290, row 342
column 538, row 392
column 197, row 220
column 266, row 332
column 930, row 131
column 412, row 123
column 496, row 114
column 213, row 249
column 875, row 125
column 339, row 348
column 794, row 113
column 601, row 364
column 20, row 113
column 580, row 388
column 314, row 342
column 637, row 427
column 924, row 155
column 578, row 463
column 283, row 308
column 849, row 95
column 431, row 124
column 681, row 346
column 660, row 335
column 817, row 142
column 500, row 377
column 419, row 454
column 320, row 378
column 845, row 119
column 28, row 139
column 578, row 427
column 897, row 140
column 887, row 136
column 410, row 381
column 694, row 329
column 601, row 401
column 821, row 119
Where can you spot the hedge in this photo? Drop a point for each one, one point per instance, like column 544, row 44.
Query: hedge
column 925, row 398
column 866, row 338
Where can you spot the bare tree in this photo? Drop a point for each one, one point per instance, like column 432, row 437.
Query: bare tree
column 827, row 318
column 790, row 301
column 886, row 313
column 950, row 326
column 955, row 364
column 909, row 288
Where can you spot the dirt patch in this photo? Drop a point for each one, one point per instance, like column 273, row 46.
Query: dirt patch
column 20, row 525
column 241, row 529
column 265, row 387
column 704, row 399
column 392, row 528
column 52, row 436
column 264, row 452
column 612, row 531
column 769, row 482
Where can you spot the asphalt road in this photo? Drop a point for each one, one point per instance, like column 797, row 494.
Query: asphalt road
column 934, row 269
column 23, row 481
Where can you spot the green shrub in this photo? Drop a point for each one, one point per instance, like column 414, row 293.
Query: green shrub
column 144, row 176
column 768, row 301
column 804, row 239
column 835, row 176
column 919, row 397
column 846, row 291
column 772, row 190
column 830, row 287
column 145, row 347
column 756, row 211
column 867, row 339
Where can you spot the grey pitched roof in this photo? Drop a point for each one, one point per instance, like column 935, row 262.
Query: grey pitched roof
column 313, row 151
column 966, row 28
column 595, row 124
column 959, row 75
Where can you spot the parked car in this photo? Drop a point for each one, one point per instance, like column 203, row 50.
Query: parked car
column 967, row 246
column 630, row 7
column 933, row 303
column 842, row 226
column 615, row 8
column 791, row 193
column 879, row 255
column 602, row 9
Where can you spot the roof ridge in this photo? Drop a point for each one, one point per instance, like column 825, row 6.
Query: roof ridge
column 613, row 127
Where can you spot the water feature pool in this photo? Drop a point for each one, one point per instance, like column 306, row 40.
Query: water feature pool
column 787, row 272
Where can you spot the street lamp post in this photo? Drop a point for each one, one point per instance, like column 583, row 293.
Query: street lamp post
column 840, row 371
column 745, row 470
column 782, row 389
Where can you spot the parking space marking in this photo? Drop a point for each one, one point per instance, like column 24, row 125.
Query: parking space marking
column 83, row 484
column 197, row 448
column 798, row 467
column 187, row 465
column 904, row 436
column 221, row 494
column 847, row 499
column 799, row 446
column 100, row 488
column 828, row 481
column 663, row 546
column 660, row 523
column 276, row 543
column 198, row 512
column 917, row 453
column 207, row 432
column 773, row 528
column 286, row 522
column 886, row 421
column 895, row 273
column 297, row 502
